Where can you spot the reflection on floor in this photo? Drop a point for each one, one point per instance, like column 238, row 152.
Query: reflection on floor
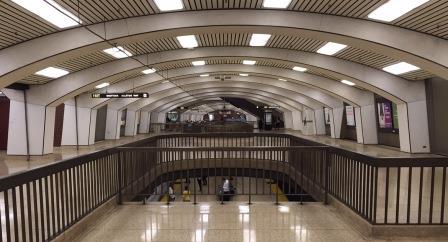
column 10, row 164
column 233, row 221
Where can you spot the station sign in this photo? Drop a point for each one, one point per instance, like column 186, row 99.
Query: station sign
column 121, row 95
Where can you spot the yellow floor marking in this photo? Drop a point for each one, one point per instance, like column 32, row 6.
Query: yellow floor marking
column 281, row 195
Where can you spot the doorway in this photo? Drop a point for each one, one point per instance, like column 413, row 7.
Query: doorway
column 4, row 122
column 100, row 129
column 58, row 125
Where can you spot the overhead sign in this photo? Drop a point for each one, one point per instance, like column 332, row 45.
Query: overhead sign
column 121, row 95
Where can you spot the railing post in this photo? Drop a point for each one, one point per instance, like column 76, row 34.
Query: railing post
column 120, row 177
column 327, row 174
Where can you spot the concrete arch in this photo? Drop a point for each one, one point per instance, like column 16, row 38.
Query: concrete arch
column 350, row 95
column 426, row 51
column 392, row 87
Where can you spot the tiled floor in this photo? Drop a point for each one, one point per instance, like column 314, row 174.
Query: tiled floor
column 10, row 164
column 234, row 221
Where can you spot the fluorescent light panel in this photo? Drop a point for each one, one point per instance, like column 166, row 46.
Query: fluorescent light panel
column 259, row 39
column 298, row 68
column 166, row 81
column 244, row 74
column 149, row 71
column 276, row 3
column 50, row 11
column 249, row 62
column 52, row 72
column 198, row 63
column 348, row 82
column 118, row 52
column 394, row 9
column 280, row 79
column 204, row 75
column 188, row 41
column 169, row 5
column 400, row 68
column 331, row 48
column 102, row 85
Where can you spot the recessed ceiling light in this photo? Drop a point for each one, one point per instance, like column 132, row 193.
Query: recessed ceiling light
column 298, row 68
column 52, row 72
column 204, row 75
column 50, row 11
column 280, row 79
column 244, row 74
column 102, row 85
column 198, row 63
column 169, row 5
column 259, row 39
column 149, row 71
column 331, row 48
column 348, row 82
column 393, row 9
column 276, row 3
column 118, row 52
column 188, row 41
column 400, row 68
column 249, row 62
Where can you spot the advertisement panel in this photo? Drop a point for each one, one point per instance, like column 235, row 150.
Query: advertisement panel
column 385, row 115
column 350, row 114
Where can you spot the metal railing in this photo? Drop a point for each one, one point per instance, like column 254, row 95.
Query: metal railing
column 390, row 191
column 296, row 171
column 39, row 204
column 185, row 127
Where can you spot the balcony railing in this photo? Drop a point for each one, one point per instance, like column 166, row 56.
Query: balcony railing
column 40, row 204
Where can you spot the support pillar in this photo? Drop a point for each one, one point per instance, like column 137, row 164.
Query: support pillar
column 113, row 121
column 319, row 121
column 145, row 119
column 86, row 125
column 413, row 126
column 132, row 120
column 40, row 126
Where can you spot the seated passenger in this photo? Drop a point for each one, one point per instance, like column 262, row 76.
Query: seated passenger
column 186, row 194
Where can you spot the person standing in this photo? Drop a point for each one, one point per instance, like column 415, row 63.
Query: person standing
column 199, row 183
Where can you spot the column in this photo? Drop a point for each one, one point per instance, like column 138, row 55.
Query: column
column 40, row 126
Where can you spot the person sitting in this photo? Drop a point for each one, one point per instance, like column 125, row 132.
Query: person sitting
column 226, row 189
column 186, row 194
column 171, row 194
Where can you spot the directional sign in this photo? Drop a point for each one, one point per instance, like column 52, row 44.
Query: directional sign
column 121, row 95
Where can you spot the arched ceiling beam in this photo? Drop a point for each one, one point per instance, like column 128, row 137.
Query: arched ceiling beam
column 384, row 84
column 425, row 51
column 343, row 92
column 192, row 99
column 235, row 85
column 157, row 99
column 171, row 102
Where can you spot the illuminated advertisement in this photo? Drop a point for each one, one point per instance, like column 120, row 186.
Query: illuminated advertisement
column 385, row 115
column 350, row 113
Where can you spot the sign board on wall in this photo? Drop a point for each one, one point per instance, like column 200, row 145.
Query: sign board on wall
column 350, row 114
column 385, row 115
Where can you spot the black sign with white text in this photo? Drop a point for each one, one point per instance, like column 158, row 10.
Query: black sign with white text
column 121, row 95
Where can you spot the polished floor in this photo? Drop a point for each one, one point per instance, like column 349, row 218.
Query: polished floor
column 234, row 221
column 11, row 164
